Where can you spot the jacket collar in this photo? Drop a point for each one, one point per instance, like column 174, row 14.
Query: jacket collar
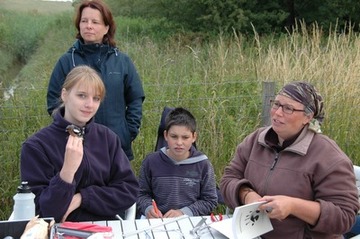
column 195, row 156
column 61, row 123
column 81, row 48
column 300, row 145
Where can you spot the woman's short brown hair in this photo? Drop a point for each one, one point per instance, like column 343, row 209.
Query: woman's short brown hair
column 106, row 14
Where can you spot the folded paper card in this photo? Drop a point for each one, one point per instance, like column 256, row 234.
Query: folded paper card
column 248, row 222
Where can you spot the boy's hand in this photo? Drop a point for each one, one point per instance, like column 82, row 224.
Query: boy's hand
column 152, row 214
column 173, row 213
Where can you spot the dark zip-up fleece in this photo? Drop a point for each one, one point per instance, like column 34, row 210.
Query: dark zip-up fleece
column 311, row 168
column 188, row 185
column 121, row 109
column 104, row 179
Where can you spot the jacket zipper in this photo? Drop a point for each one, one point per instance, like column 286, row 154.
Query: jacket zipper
column 271, row 169
column 275, row 161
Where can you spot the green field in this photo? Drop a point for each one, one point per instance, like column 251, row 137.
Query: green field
column 219, row 80
column 35, row 6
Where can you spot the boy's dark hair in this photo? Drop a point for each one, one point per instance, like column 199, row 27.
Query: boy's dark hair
column 182, row 117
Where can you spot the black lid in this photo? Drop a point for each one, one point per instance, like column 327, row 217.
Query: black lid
column 24, row 188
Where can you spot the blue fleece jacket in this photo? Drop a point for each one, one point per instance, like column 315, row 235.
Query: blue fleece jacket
column 104, row 179
column 121, row 109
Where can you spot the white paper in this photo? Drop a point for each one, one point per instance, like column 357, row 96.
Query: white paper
column 247, row 223
column 224, row 227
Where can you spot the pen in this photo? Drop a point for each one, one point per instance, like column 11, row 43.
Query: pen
column 155, row 208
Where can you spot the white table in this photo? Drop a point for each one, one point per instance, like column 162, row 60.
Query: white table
column 133, row 229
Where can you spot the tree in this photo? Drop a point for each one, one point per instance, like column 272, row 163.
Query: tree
column 241, row 15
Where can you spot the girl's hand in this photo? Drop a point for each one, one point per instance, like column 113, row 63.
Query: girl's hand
column 74, row 204
column 74, row 152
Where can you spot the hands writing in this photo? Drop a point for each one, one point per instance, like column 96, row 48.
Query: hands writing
column 173, row 213
column 168, row 214
column 154, row 212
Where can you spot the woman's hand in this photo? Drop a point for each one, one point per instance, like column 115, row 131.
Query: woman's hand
column 280, row 207
column 252, row 197
column 248, row 195
column 277, row 207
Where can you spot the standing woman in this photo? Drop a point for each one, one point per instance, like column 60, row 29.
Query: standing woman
column 76, row 167
column 306, row 180
column 95, row 46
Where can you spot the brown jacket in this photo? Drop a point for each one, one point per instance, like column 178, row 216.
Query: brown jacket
column 312, row 168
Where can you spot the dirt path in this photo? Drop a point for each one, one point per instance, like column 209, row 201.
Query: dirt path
column 36, row 6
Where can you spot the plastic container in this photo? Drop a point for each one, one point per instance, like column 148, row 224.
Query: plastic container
column 24, row 205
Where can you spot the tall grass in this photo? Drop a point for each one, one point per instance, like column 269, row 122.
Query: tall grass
column 219, row 80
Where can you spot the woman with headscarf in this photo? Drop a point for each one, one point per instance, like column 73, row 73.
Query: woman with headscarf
column 306, row 181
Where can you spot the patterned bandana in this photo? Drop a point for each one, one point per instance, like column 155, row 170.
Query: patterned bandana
column 307, row 95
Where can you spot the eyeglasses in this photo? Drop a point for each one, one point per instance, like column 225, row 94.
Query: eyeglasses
column 287, row 109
